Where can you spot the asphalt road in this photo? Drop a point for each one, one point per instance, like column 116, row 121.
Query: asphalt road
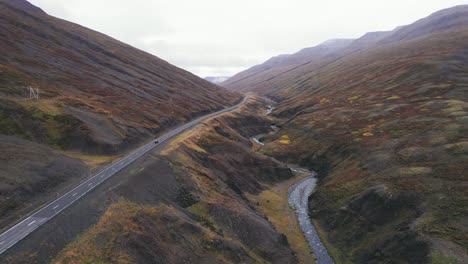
column 10, row 237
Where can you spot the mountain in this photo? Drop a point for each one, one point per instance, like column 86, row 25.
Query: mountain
column 284, row 63
column 265, row 77
column 98, row 98
column 216, row 79
column 384, row 122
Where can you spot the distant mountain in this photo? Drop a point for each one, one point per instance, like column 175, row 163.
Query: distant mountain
column 259, row 77
column 285, row 63
column 216, row 79
column 99, row 98
column 446, row 19
column 383, row 120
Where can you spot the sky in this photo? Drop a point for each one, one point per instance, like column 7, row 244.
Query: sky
column 221, row 38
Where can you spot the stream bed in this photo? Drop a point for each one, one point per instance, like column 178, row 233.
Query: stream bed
column 298, row 196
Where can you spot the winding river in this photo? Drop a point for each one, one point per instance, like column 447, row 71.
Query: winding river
column 298, row 196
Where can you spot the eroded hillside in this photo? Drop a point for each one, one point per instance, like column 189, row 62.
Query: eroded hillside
column 209, row 217
column 386, row 129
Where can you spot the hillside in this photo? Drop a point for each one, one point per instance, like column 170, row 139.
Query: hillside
column 278, row 72
column 283, row 64
column 191, row 201
column 384, row 122
column 99, row 98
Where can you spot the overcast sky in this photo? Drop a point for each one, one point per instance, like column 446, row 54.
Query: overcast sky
column 218, row 37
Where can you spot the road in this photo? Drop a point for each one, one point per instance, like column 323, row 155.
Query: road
column 298, row 199
column 48, row 211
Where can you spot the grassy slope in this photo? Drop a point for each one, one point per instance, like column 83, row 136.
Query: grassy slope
column 386, row 128
column 216, row 172
column 98, row 98
column 274, row 203
column 90, row 81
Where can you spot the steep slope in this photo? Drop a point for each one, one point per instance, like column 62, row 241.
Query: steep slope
column 386, row 128
column 267, row 78
column 189, row 203
column 282, row 64
column 446, row 19
column 98, row 98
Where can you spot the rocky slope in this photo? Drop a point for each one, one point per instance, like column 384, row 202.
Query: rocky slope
column 98, row 98
column 384, row 122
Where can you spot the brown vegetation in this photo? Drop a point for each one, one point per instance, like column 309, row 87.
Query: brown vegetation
column 211, row 219
column 383, row 121
column 99, row 98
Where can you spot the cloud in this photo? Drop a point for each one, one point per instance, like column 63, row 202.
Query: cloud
column 220, row 37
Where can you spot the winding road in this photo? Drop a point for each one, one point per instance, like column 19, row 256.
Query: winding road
column 19, row 231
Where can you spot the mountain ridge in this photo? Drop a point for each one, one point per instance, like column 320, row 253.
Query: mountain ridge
column 257, row 77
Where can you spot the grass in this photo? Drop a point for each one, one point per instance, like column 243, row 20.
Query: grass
column 8, row 126
column 117, row 220
column 393, row 97
column 439, row 258
column 273, row 202
column 136, row 170
column 458, row 148
column 415, row 171
column 91, row 160
column 334, row 252
column 47, row 106
column 200, row 210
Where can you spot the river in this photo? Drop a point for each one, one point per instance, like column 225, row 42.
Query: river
column 298, row 199
column 298, row 196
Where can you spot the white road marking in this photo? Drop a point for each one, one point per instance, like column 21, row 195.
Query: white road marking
column 2, row 242
column 32, row 222
column 56, row 206
column 75, row 194
column 91, row 184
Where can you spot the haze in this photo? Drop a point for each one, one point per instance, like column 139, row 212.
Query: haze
column 221, row 38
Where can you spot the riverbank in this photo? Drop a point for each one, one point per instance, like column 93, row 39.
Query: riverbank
column 293, row 194
column 298, row 196
column 274, row 204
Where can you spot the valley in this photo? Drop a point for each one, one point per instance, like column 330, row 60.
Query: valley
column 351, row 151
column 382, row 121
